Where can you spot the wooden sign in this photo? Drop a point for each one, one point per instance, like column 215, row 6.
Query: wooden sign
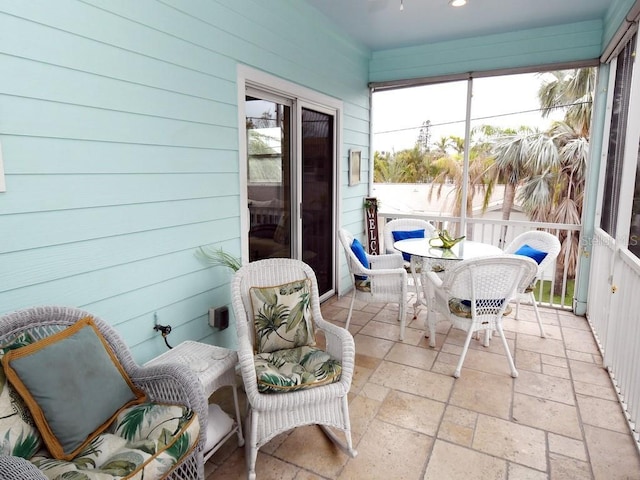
column 371, row 224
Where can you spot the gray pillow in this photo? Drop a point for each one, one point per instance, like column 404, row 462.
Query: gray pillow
column 73, row 385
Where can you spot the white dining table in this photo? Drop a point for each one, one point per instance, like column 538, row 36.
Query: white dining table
column 426, row 257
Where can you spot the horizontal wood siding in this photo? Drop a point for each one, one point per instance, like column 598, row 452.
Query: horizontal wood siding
column 614, row 17
column 549, row 45
column 118, row 126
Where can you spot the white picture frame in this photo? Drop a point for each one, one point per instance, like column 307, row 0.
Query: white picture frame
column 355, row 160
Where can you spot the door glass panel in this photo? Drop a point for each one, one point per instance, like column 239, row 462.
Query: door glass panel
column 269, row 178
column 317, row 195
column 617, row 137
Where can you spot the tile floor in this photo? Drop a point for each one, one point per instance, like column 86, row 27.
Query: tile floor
column 412, row 420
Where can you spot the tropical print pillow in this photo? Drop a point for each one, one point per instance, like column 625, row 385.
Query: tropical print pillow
column 18, row 435
column 145, row 442
column 295, row 369
column 282, row 317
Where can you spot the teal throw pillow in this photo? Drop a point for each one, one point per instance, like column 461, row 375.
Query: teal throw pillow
column 528, row 251
column 405, row 234
column 73, row 385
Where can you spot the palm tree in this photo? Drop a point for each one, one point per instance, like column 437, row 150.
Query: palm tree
column 554, row 191
column 518, row 156
column 387, row 168
column 573, row 90
column 450, row 171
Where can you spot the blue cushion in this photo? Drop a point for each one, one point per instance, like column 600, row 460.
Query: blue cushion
column 403, row 235
column 527, row 251
column 358, row 249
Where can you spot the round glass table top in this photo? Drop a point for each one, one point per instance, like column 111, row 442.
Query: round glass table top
column 460, row 251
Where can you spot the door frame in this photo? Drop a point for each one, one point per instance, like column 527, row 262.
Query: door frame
column 302, row 97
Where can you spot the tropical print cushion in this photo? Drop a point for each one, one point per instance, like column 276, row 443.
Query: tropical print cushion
column 18, row 434
column 462, row 308
column 145, row 442
column 363, row 285
column 295, row 369
column 79, row 358
column 282, row 317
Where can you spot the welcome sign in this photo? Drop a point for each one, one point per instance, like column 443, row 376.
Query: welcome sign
column 371, row 225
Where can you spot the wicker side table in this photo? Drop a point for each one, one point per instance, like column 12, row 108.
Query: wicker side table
column 215, row 368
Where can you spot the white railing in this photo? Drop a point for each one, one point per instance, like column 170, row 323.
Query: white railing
column 613, row 309
column 500, row 233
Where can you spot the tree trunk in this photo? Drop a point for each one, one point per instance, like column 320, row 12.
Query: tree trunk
column 507, row 205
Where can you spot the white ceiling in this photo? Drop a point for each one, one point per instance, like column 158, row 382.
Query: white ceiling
column 380, row 24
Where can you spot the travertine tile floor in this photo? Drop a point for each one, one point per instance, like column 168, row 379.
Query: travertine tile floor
column 411, row 419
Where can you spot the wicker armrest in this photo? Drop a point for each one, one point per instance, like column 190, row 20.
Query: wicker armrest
column 19, row 468
column 339, row 342
column 174, row 383
column 386, row 261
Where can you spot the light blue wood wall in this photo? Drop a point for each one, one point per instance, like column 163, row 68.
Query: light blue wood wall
column 539, row 46
column 118, row 125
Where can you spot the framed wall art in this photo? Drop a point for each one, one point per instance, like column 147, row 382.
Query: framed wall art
column 355, row 157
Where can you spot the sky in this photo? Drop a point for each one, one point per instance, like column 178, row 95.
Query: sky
column 499, row 101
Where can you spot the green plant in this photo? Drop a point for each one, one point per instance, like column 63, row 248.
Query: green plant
column 546, row 293
column 218, row 258
column 368, row 203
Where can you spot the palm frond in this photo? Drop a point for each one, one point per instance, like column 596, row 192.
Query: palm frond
column 218, row 258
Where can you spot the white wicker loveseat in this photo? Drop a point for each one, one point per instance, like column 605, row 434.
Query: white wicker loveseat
column 158, row 434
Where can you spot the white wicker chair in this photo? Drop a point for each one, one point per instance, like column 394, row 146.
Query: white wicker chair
column 170, row 383
column 386, row 279
column 273, row 413
column 403, row 224
column 406, row 224
column 542, row 241
column 485, row 285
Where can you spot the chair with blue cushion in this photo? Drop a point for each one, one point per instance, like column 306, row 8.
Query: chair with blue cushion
column 474, row 295
column 543, row 247
column 401, row 229
column 377, row 278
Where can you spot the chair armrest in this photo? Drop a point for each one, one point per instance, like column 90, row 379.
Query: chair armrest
column 386, row 261
column 174, row 383
column 19, row 468
column 340, row 345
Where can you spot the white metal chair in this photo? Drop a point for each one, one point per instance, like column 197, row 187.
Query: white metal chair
column 543, row 242
column 272, row 413
column 385, row 280
column 474, row 294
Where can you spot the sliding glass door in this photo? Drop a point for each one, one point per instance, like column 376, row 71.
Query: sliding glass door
column 291, row 164
column 318, row 147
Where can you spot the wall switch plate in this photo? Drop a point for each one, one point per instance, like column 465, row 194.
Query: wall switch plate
column 219, row 317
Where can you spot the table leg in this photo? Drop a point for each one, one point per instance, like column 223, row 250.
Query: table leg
column 417, row 284
column 238, row 418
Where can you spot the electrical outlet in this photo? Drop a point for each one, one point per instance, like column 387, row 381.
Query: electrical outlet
column 219, row 317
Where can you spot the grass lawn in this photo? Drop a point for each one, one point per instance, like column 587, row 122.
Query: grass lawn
column 546, row 286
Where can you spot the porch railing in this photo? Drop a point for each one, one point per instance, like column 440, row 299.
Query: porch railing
column 500, row 233
column 613, row 309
